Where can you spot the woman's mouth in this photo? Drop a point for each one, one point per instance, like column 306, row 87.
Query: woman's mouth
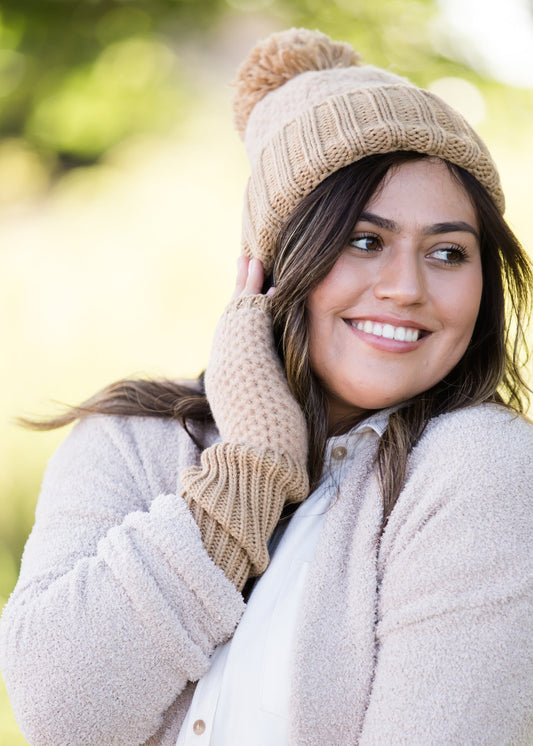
column 388, row 331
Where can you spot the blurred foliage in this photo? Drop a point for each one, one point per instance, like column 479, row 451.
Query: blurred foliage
column 76, row 78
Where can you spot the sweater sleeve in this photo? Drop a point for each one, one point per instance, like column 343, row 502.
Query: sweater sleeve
column 118, row 604
column 454, row 659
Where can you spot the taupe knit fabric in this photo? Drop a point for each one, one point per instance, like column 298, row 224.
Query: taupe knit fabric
column 236, row 497
column 237, row 493
column 246, row 385
column 420, row 637
column 307, row 108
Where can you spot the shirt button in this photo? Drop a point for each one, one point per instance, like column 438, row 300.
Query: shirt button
column 338, row 453
column 198, row 727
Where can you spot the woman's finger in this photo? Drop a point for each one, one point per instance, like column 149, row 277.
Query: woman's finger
column 250, row 277
column 254, row 281
column 242, row 275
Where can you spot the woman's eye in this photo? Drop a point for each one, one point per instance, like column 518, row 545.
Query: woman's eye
column 450, row 254
column 366, row 242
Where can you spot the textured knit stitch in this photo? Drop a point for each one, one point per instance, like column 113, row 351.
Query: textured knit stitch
column 246, row 385
column 317, row 113
column 237, row 493
column 236, row 498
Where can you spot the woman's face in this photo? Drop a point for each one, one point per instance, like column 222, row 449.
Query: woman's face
column 397, row 311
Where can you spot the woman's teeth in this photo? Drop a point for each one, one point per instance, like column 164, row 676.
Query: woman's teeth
column 401, row 333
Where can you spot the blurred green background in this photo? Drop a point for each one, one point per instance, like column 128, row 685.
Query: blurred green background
column 121, row 182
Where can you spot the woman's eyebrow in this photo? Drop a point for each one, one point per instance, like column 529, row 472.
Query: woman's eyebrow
column 452, row 226
column 386, row 223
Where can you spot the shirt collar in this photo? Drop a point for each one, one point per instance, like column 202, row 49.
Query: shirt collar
column 377, row 422
column 347, row 443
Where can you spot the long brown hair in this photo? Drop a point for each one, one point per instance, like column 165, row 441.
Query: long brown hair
column 309, row 244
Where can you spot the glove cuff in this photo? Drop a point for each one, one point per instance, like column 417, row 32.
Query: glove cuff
column 236, row 496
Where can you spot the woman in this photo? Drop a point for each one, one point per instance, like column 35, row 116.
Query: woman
column 374, row 441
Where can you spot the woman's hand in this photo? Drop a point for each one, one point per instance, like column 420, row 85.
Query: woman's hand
column 250, row 278
column 245, row 382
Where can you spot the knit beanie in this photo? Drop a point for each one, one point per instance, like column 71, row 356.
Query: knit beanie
column 307, row 106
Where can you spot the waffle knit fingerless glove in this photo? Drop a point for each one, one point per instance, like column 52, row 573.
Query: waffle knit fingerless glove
column 237, row 493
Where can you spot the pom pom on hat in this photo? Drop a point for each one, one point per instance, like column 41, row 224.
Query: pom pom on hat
column 279, row 58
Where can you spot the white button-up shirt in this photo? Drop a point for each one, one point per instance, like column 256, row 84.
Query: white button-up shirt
column 244, row 697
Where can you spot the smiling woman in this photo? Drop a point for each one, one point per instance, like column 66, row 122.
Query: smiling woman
column 397, row 311
column 328, row 539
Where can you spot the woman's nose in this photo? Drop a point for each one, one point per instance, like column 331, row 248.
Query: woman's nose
column 401, row 279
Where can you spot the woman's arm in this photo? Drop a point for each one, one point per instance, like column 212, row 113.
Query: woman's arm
column 118, row 604
column 454, row 652
column 238, row 492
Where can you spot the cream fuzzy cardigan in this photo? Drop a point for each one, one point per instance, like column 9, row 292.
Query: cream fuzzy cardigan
column 423, row 638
